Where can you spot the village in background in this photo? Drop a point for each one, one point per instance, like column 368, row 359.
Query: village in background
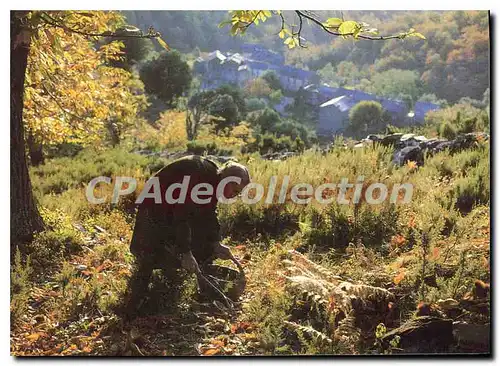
column 329, row 105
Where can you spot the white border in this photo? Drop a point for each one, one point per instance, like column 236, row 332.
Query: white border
column 198, row 5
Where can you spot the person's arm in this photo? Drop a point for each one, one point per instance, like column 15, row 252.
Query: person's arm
column 219, row 250
column 183, row 242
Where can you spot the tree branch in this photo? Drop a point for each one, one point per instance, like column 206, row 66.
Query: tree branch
column 304, row 14
column 53, row 22
column 253, row 20
column 298, row 33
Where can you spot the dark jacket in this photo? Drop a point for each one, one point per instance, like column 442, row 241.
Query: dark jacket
column 169, row 229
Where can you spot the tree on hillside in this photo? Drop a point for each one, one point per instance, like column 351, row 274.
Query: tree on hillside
column 395, row 83
column 432, row 98
column 265, row 119
column 62, row 104
column 197, row 112
column 135, row 50
column 26, row 26
column 301, row 109
column 167, row 77
column 223, row 103
column 365, row 115
column 224, row 107
column 237, row 94
column 295, row 130
column 272, row 80
column 258, row 88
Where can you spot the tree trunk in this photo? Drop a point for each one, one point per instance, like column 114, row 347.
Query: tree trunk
column 190, row 130
column 35, row 150
column 25, row 219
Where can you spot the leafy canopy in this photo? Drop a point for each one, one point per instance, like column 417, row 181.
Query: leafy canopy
column 167, row 76
column 71, row 94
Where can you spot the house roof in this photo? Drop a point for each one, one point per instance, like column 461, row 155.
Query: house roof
column 359, row 95
column 216, row 54
column 258, row 65
column 343, row 103
column 294, row 72
column 353, row 97
column 421, row 109
column 236, row 57
column 393, row 106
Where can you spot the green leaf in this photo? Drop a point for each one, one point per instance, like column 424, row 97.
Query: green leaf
column 234, row 29
column 348, row 27
column 267, row 13
column 163, row 43
column 380, row 331
column 224, row 23
column 333, row 22
column 395, row 341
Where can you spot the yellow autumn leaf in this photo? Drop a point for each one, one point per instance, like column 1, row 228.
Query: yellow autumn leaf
column 211, row 351
column 399, row 277
column 163, row 43
column 33, row 337
column 333, row 22
column 348, row 27
column 411, row 165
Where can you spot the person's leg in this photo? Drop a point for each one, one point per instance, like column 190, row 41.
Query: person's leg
column 138, row 285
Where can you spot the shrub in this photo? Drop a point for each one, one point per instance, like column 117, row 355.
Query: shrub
column 364, row 115
column 168, row 132
column 206, row 148
column 58, row 175
column 255, row 104
column 243, row 221
column 60, row 239
column 447, row 131
column 463, row 118
column 295, row 130
column 199, row 148
column 258, row 88
column 272, row 80
column 337, row 226
column 472, row 189
column 19, row 287
column 275, row 96
column 266, row 119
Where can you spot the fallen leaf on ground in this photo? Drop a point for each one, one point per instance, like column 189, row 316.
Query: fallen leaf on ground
column 210, row 351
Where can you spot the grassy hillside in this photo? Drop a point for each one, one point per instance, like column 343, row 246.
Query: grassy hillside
column 65, row 299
